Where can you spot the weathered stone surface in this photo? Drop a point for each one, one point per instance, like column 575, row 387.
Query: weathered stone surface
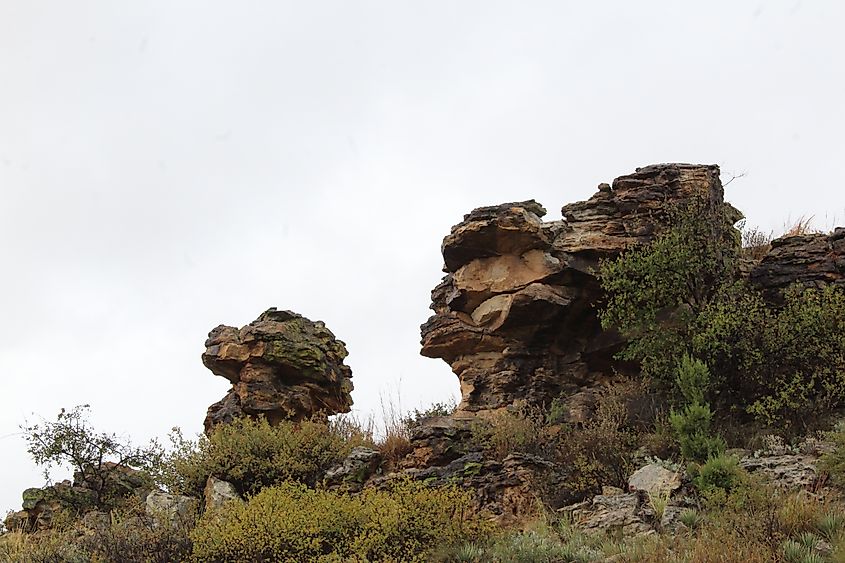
column 353, row 472
column 173, row 509
column 85, row 493
column 621, row 513
column 439, row 440
column 787, row 471
column 654, row 479
column 218, row 492
column 812, row 260
column 282, row 366
column 515, row 316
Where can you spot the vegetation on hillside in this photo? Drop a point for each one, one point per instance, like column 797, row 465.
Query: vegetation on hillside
column 718, row 361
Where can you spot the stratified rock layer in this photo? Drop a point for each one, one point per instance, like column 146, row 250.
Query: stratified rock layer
column 282, row 366
column 813, row 260
column 515, row 315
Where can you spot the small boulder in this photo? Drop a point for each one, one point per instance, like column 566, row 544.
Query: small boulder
column 218, row 492
column 358, row 466
column 174, row 509
column 654, row 479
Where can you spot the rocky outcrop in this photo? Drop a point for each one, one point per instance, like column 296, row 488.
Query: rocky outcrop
column 282, row 366
column 350, row 475
column 84, row 494
column 174, row 510
column 813, row 260
column 515, row 316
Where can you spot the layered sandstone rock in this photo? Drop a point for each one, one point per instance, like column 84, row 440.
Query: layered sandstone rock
column 282, row 366
column 813, row 260
column 515, row 315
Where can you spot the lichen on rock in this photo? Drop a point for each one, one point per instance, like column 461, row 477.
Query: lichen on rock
column 282, row 366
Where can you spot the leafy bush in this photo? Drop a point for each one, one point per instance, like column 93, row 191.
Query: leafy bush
column 417, row 417
column 678, row 295
column 719, row 475
column 656, row 290
column 784, row 363
column 98, row 459
column 252, row 454
column 833, row 462
column 290, row 522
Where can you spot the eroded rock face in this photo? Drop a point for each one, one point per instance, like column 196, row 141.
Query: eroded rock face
column 515, row 315
column 813, row 260
column 282, row 366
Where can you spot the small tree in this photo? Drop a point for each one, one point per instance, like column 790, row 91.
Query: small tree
column 692, row 423
column 98, row 459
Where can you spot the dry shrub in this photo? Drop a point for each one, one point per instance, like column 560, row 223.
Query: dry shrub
column 755, row 242
column 133, row 536
column 519, row 430
column 801, row 226
column 396, row 442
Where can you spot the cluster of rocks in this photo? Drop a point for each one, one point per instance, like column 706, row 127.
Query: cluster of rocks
column 42, row 507
column 516, row 319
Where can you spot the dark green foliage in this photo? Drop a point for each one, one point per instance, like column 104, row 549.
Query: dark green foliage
column 692, row 427
column 692, row 423
column 416, row 417
column 784, row 363
column 678, row 295
column 656, row 290
column 719, row 474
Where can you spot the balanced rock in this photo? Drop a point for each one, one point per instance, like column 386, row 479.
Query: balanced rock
column 515, row 316
column 282, row 366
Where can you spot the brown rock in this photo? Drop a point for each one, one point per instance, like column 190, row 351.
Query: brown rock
column 282, row 366
column 515, row 315
column 812, row 260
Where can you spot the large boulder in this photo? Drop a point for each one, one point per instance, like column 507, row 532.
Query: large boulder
column 813, row 260
column 282, row 366
column 515, row 316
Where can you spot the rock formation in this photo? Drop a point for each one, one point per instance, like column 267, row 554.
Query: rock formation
column 515, row 316
column 282, row 366
column 813, row 260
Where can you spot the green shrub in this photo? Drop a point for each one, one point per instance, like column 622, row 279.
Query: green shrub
column 679, row 294
column 692, row 428
column 692, row 424
column 833, row 462
column 290, row 522
column 784, row 363
column 655, row 291
column 252, row 455
column 417, row 417
column 720, row 474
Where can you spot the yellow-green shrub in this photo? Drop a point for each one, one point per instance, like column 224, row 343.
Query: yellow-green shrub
column 252, row 454
column 291, row 522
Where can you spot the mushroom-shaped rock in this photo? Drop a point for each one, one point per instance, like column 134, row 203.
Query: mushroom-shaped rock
column 282, row 366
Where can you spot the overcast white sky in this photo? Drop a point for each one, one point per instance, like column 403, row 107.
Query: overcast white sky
column 169, row 166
